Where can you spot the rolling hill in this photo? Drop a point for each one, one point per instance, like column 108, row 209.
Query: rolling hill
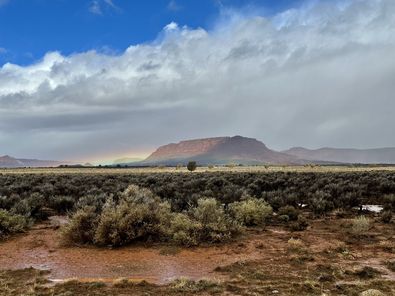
column 365, row 156
column 11, row 162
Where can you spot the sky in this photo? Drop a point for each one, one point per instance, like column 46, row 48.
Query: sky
column 95, row 80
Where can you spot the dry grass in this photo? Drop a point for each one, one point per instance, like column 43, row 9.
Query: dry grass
column 360, row 226
column 296, row 245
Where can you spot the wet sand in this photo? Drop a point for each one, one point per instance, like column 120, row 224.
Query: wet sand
column 40, row 248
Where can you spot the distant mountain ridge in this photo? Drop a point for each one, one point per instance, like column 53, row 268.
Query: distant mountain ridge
column 249, row 151
column 344, row 155
column 11, row 162
column 236, row 150
column 219, row 150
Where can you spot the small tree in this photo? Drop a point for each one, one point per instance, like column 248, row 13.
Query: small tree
column 191, row 166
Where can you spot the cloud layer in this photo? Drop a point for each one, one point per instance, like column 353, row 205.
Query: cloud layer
column 320, row 75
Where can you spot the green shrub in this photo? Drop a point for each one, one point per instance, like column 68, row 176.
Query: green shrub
column 7, row 202
column 290, row 211
column 22, row 208
column 183, row 230
column 95, row 201
column 81, row 228
column 11, row 223
column 343, row 190
column 284, row 218
column 250, row 212
column 62, row 204
column 206, row 223
column 321, row 203
column 216, row 226
column 138, row 215
column 389, row 202
column 386, row 216
column 299, row 225
column 32, row 207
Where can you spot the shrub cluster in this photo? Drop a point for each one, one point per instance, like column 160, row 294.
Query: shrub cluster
column 288, row 213
column 251, row 212
column 100, row 199
column 33, row 195
column 139, row 215
column 11, row 223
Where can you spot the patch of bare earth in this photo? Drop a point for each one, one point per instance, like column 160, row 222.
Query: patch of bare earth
column 324, row 259
column 40, row 248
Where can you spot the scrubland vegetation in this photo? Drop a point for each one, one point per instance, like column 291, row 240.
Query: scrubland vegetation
column 11, row 223
column 321, row 192
column 139, row 215
column 200, row 209
column 186, row 209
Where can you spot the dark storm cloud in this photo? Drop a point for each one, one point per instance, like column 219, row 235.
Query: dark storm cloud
column 322, row 75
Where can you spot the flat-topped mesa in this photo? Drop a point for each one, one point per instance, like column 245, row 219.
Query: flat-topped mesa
column 219, row 150
column 186, row 149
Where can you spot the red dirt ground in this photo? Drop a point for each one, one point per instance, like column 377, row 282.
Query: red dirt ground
column 40, row 248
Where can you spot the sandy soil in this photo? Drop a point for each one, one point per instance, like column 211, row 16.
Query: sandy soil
column 40, row 248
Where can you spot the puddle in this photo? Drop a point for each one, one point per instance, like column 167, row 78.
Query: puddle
column 372, row 208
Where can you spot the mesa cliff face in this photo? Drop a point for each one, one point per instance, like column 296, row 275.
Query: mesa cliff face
column 220, row 150
column 185, row 149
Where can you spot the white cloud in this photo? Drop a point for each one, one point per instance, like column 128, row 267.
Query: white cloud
column 171, row 27
column 322, row 75
column 95, row 8
column 98, row 6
